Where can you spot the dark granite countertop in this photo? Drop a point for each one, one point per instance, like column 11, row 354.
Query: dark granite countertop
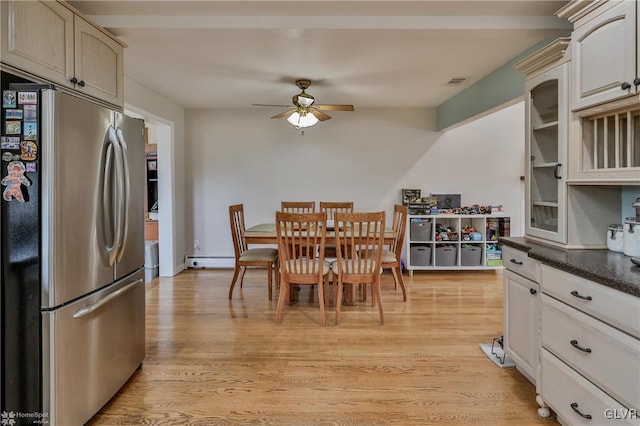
column 602, row 266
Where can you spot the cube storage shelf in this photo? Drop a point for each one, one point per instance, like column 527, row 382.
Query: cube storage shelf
column 441, row 241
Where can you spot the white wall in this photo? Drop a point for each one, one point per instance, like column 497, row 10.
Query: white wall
column 368, row 156
column 168, row 118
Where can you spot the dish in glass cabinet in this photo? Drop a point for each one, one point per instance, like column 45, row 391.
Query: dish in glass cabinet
column 635, row 261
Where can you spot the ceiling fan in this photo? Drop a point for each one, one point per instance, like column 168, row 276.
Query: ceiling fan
column 305, row 112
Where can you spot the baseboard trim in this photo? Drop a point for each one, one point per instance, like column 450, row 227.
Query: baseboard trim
column 209, row 262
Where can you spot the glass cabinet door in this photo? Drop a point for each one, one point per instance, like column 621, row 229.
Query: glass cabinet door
column 546, row 125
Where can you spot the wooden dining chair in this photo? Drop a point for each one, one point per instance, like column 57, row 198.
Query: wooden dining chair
column 359, row 241
column 392, row 256
column 245, row 256
column 298, row 206
column 331, row 208
column 299, row 234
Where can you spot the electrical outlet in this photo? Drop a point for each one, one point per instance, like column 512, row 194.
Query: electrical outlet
column 196, row 244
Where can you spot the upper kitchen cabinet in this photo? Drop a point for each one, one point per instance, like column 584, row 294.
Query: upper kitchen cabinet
column 50, row 40
column 604, row 45
column 546, row 138
column 605, row 142
column 98, row 63
column 555, row 211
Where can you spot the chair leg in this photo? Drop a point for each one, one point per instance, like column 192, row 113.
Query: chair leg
column 244, row 269
column 325, row 284
column 270, row 280
column 321, row 301
column 236, row 270
column 375, row 288
column 284, row 295
column 397, row 278
column 338, row 300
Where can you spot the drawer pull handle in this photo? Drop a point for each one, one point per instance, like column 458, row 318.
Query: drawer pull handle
column 575, row 344
column 579, row 296
column 517, row 262
column 574, row 407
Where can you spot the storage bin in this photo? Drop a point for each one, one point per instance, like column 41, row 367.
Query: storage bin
column 494, row 258
column 446, row 255
column 420, row 255
column 420, row 230
column 151, row 260
column 471, row 255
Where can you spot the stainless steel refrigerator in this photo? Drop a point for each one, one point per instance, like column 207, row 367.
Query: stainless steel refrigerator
column 72, row 296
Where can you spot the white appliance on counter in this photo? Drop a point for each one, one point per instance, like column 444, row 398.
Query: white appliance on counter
column 72, row 305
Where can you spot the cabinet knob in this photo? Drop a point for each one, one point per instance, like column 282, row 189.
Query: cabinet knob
column 636, row 82
column 81, row 83
column 74, row 80
column 533, row 291
column 625, row 86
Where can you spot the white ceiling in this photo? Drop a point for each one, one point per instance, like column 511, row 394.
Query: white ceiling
column 231, row 54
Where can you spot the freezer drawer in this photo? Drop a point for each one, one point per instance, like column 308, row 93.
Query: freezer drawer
column 91, row 348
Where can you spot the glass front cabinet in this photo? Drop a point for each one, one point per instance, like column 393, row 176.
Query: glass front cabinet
column 546, row 154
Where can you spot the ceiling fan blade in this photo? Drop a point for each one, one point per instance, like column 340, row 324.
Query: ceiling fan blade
column 319, row 115
column 284, row 114
column 271, row 105
column 335, row 107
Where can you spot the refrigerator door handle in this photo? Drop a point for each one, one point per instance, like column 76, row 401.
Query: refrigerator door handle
column 126, row 184
column 88, row 309
column 118, row 192
column 108, row 220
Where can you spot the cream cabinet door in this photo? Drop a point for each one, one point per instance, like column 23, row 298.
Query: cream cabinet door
column 604, row 57
column 37, row 37
column 521, row 341
column 98, row 63
column 546, row 106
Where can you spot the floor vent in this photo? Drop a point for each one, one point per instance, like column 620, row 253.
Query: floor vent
column 209, row 262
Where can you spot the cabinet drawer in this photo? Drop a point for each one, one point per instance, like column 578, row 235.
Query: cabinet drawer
column 561, row 387
column 519, row 262
column 614, row 307
column 604, row 355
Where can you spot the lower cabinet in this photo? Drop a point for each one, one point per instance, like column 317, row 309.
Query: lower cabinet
column 590, row 351
column 521, row 298
column 578, row 341
column 576, row 400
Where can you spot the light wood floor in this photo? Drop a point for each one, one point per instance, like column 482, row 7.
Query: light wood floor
column 212, row 361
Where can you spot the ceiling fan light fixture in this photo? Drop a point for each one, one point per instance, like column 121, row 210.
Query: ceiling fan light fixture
column 303, row 99
column 302, row 120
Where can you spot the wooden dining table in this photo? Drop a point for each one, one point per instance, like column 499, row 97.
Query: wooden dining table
column 265, row 233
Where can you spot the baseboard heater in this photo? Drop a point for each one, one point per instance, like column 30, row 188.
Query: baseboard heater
column 209, row 262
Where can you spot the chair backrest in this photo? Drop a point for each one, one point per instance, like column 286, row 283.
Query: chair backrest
column 399, row 227
column 236, row 219
column 359, row 240
column 333, row 207
column 298, row 206
column 299, row 234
